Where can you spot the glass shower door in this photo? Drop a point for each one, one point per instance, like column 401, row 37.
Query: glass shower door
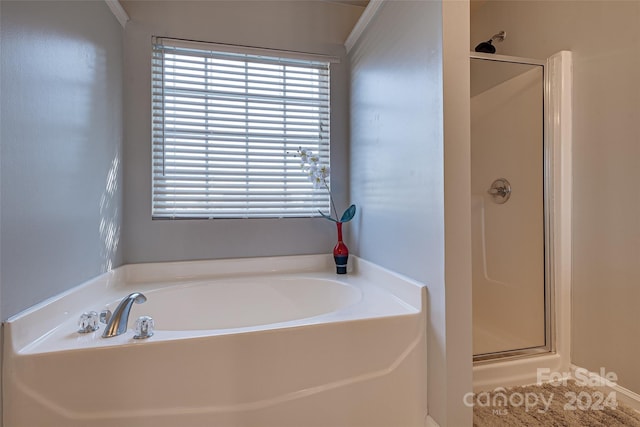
column 508, row 207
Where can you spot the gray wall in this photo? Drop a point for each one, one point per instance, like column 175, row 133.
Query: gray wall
column 606, row 149
column 307, row 26
column 396, row 140
column 398, row 98
column 61, row 110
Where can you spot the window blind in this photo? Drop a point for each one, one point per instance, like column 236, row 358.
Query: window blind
column 226, row 126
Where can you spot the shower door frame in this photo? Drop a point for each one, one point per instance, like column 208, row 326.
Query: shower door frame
column 548, row 220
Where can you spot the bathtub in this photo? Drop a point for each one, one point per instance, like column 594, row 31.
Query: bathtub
column 246, row 342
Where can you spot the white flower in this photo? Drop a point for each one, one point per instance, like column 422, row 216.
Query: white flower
column 310, row 174
column 318, row 174
column 304, row 155
column 324, row 171
column 312, row 168
column 318, row 181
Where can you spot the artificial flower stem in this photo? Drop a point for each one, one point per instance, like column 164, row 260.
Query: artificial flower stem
column 333, row 205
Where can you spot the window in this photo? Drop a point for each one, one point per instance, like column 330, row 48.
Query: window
column 226, row 124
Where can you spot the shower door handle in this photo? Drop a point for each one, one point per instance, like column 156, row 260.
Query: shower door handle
column 500, row 190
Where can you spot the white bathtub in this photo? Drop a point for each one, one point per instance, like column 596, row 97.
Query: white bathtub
column 244, row 302
column 252, row 342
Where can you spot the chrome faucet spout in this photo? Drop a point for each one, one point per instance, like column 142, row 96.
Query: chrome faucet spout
column 118, row 322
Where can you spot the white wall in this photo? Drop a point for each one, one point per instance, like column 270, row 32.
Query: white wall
column 457, row 193
column 307, row 26
column 398, row 176
column 604, row 37
column 61, row 109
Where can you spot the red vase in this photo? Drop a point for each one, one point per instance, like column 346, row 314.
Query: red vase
column 340, row 252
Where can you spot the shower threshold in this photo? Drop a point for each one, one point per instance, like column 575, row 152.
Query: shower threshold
column 510, row 354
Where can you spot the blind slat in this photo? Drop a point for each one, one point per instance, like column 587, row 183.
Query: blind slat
column 246, row 213
column 201, row 181
column 243, row 124
column 170, row 93
column 243, row 78
column 276, row 114
column 162, row 94
column 283, row 136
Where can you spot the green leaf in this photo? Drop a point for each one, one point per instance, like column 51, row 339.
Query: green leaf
column 326, row 216
column 348, row 214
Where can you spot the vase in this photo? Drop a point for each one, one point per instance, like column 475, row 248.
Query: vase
column 340, row 252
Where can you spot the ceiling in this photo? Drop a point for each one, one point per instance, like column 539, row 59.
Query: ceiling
column 361, row 3
column 475, row 5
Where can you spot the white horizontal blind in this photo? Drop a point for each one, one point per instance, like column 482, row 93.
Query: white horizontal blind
column 225, row 128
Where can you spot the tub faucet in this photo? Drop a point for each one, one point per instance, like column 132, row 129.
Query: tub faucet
column 118, row 322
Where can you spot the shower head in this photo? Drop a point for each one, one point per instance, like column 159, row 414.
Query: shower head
column 488, row 47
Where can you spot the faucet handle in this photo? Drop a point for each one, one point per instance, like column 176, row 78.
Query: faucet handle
column 105, row 315
column 88, row 322
column 144, row 327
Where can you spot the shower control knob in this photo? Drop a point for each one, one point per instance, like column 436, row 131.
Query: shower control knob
column 144, row 327
column 500, row 190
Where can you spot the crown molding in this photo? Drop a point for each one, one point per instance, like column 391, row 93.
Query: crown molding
column 118, row 11
column 366, row 17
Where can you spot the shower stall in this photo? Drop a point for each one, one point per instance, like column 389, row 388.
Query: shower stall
column 519, row 194
column 508, row 207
